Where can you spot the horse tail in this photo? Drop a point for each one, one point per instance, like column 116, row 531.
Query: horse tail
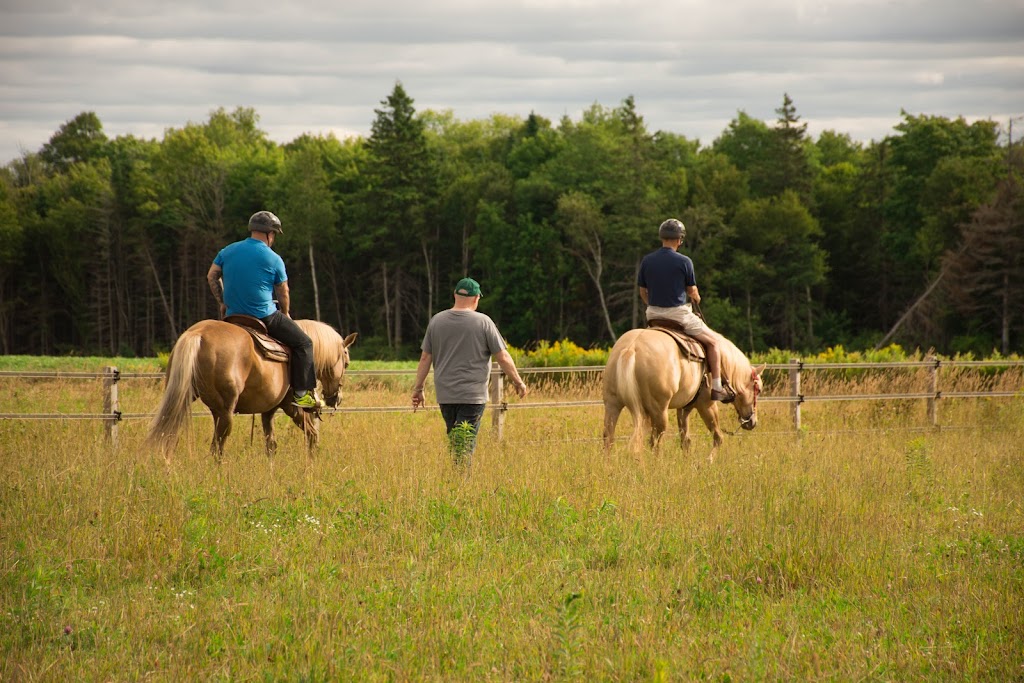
column 629, row 393
column 175, row 408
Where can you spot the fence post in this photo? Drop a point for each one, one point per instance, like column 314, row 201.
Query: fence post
column 794, row 390
column 497, row 400
column 933, row 389
column 111, row 407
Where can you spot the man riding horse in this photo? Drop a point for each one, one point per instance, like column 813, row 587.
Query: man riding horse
column 667, row 286
column 244, row 278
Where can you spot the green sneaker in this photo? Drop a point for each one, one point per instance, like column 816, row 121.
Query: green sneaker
column 307, row 402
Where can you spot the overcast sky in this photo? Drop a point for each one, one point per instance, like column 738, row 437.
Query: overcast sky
column 849, row 65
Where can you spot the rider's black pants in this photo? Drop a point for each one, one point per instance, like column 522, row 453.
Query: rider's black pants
column 284, row 329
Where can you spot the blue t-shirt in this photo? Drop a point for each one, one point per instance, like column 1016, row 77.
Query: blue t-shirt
column 251, row 270
column 666, row 274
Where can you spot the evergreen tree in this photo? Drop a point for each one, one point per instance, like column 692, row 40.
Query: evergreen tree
column 986, row 276
column 11, row 254
column 790, row 168
column 398, row 209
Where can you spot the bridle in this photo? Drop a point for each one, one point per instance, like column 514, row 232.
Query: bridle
column 757, row 390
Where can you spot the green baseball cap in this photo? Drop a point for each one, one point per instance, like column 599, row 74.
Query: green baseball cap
column 468, row 287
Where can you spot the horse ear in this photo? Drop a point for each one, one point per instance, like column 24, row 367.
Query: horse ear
column 350, row 339
column 760, row 368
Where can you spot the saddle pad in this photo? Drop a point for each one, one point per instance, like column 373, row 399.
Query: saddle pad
column 688, row 346
column 269, row 348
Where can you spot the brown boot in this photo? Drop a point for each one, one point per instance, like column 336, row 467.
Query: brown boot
column 722, row 395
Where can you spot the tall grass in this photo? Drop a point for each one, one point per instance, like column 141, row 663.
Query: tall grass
column 864, row 549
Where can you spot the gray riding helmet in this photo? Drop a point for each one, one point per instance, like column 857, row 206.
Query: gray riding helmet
column 672, row 229
column 264, row 221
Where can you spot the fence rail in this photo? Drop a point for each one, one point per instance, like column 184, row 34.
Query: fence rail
column 498, row 406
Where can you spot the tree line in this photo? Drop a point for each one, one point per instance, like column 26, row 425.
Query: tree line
column 798, row 243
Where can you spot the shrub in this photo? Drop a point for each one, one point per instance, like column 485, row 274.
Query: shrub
column 562, row 353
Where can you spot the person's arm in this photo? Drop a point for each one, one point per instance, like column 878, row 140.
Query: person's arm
column 643, row 296
column 692, row 294
column 213, row 278
column 508, row 366
column 284, row 301
column 421, row 376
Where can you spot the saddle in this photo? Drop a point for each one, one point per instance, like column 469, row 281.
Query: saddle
column 691, row 350
column 269, row 348
column 688, row 346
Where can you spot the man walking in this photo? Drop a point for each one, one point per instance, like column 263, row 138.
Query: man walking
column 667, row 285
column 245, row 277
column 459, row 343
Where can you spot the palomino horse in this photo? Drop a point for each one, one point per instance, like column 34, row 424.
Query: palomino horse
column 648, row 374
column 217, row 362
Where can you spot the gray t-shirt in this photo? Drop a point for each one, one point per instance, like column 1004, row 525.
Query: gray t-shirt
column 461, row 344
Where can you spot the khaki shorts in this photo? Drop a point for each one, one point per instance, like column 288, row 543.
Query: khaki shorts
column 681, row 314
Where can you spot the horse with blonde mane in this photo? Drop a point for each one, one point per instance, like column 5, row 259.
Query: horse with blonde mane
column 218, row 363
column 648, row 375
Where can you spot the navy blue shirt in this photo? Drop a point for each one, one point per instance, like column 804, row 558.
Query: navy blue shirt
column 666, row 274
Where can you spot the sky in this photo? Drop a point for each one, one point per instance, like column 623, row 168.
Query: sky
column 321, row 67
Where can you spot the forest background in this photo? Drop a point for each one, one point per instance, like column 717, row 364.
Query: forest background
column 798, row 243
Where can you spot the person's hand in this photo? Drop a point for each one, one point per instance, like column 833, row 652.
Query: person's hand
column 223, row 311
column 520, row 388
column 417, row 399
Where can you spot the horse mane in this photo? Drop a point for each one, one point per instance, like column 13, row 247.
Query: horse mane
column 733, row 360
column 327, row 344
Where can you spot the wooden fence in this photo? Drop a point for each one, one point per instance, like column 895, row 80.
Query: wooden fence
column 498, row 406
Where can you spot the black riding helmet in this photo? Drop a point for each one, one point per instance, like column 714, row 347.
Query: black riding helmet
column 264, row 221
column 672, row 229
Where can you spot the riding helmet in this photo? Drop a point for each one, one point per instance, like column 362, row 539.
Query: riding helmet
column 264, row 221
column 672, row 229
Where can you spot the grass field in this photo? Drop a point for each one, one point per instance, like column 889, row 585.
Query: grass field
column 867, row 548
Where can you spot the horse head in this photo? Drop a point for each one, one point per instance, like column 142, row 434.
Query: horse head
column 333, row 373
column 330, row 357
column 747, row 388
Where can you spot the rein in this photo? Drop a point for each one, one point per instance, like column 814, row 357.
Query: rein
column 700, row 313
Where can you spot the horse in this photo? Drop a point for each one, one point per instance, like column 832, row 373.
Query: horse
column 648, row 374
column 218, row 363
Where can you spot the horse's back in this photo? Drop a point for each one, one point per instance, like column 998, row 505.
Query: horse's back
column 218, row 332
column 659, row 374
column 230, row 374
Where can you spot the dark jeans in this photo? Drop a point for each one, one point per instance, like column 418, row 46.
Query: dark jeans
column 462, row 442
column 283, row 329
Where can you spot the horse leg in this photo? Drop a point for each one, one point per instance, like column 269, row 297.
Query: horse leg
column 269, row 440
column 221, row 430
column 659, row 423
column 683, row 418
column 709, row 413
column 611, row 418
column 307, row 422
column 312, row 431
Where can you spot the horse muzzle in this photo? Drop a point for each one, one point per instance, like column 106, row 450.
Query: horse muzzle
column 332, row 400
column 749, row 423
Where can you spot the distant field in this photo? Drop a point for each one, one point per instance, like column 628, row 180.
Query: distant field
column 869, row 548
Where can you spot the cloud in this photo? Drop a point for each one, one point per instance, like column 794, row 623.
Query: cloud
column 691, row 65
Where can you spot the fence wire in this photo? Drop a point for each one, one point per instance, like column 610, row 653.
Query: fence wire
column 113, row 376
